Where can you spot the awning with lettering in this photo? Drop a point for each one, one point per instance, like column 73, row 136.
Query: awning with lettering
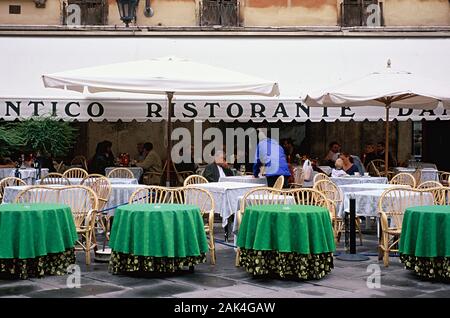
column 213, row 110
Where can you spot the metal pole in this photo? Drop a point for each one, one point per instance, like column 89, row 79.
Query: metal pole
column 352, row 226
column 352, row 257
column 169, row 136
column 386, row 150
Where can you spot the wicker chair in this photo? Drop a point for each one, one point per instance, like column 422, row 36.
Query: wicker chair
column 59, row 167
column 102, row 188
column 417, row 175
column 391, row 207
column 279, row 183
column 404, row 179
column 153, row 195
column 259, row 196
column 9, row 182
column 333, row 193
column 444, row 178
column 204, row 200
column 320, row 176
column 376, row 168
column 75, row 173
column 298, row 178
column 182, row 175
column 54, row 178
column 83, row 203
column 81, row 161
column 429, row 184
column 120, row 173
column 147, row 178
column 195, row 179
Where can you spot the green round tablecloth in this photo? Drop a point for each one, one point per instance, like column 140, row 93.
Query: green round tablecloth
column 157, row 238
column 286, row 240
column 302, row 229
column 425, row 241
column 36, row 239
column 32, row 230
column 160, row 230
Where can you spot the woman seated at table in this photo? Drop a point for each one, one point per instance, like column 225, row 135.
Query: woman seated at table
column 338, row 171
column 348, row 166
column 102, row 159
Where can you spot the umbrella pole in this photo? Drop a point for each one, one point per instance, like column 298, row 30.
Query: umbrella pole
column 169, row 137
column 386, row 150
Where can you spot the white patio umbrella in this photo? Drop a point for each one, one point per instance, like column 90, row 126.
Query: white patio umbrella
column 388, row 88
column 167, row 75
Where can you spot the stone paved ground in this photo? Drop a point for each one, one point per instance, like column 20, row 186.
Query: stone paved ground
column 224, row 280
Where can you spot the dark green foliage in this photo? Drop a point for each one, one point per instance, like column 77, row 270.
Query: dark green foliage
column 10, row 140
column 46, row 135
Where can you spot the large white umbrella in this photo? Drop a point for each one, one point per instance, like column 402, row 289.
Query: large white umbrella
column 388, row 88
column 168, row 75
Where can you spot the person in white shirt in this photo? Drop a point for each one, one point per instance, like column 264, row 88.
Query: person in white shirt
column 338, row 171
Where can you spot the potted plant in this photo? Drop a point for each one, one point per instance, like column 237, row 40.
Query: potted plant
column 47, row 137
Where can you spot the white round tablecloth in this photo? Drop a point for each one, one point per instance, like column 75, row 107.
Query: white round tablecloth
column 244, row 179
column 77, row 181
column 9, row 196
column 366, row 203
column 427, row 174
column 120, row 194
column 28, row 175
column 353, row 180
column 226, row 196
column 358, row 187
column 137, row 171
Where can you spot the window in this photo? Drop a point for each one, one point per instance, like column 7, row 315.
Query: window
column 93, row 12
column 219, row 12
column 14, row 9
column 361, row 13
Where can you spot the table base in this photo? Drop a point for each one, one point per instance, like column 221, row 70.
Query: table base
column 436, row 268
column 286, row 265
column 50, row 264
column 121, row 262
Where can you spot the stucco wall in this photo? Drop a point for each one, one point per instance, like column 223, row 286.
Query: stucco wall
column 417, row 12
column 51, row 14
column 166, row 13
column 289, row 12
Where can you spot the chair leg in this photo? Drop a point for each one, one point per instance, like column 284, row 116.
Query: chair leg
column 358, row 227
column 238, row 254
column 88, row 247
column 386, row 258
column 380, row 248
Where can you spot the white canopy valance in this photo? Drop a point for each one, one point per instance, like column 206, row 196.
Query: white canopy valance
column 213, row 110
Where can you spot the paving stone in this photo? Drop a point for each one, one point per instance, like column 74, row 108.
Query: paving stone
column 160, row 290
column 437, row 294
column 16, row 290
column 207, row 281
column 123, row 280
column 320, row 292
column 85, row 290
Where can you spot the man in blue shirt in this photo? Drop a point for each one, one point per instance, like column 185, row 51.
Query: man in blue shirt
column 270, row 155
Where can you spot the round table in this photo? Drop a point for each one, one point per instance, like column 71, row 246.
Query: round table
column 36, row 239
column 286, row 240
column 425, row 241
column 157, row 238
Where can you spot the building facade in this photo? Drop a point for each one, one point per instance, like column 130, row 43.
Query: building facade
column 231, row 13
